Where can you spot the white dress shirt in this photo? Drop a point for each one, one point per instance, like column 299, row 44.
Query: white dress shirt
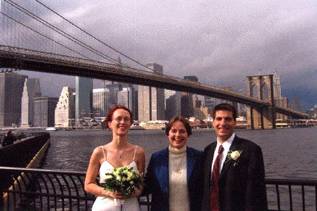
column 226, row 146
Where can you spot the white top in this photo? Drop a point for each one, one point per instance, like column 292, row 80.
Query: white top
column 109, row 204
column 226, row 146
column 178, row 191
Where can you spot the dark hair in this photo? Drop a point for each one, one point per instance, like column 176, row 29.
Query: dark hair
column 181, row 119
column 112, row 110
column 225, row 107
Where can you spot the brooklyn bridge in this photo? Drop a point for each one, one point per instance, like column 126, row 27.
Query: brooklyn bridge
column 29, row 42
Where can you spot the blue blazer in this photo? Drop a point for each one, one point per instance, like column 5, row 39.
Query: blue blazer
column 157, row 181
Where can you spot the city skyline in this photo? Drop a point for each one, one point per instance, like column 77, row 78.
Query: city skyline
column 190, row 105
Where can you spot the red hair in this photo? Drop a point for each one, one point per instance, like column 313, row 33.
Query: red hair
column 112, row 110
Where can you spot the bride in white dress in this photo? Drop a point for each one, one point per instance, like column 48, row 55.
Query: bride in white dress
column 117, row 153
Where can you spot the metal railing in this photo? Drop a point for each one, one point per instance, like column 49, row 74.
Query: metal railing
column 292, row 194
column 42, row 189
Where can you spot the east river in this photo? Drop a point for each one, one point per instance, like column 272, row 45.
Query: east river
column 288, row 153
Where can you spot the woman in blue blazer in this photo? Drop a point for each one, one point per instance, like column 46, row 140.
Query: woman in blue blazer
column 174, row 174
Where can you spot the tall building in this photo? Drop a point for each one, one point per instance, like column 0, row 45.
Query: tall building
column 191, row 78
column 151, row 99
column 31, row 89
column 11, row 87
column 65, row 109
column 128, row 97
column 187, row 103
column 83, row 104
column 200, row 111
column 114, row 89
column 173, row 104
column 44, row 108
column 100, row 101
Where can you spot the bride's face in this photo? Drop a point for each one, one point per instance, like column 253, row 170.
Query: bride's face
column 121, row 122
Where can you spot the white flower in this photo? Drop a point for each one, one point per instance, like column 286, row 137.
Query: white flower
column 123, row 180
column 234, row 155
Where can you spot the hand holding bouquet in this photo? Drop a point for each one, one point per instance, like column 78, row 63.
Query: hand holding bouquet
column 122, row 180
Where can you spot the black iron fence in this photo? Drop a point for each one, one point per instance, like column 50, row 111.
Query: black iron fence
column 41, row 189
column 292, row 194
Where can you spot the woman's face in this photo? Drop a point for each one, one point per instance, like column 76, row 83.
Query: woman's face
column 177, row 135
column 121, row 122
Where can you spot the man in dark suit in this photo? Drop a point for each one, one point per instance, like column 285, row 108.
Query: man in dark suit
column 233, row 168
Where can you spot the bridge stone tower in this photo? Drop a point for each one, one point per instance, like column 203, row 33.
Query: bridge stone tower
column 261, row 87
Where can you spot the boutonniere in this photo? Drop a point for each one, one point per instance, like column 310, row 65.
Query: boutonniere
column 234, row 155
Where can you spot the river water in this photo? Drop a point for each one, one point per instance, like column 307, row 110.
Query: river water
column 288, row 153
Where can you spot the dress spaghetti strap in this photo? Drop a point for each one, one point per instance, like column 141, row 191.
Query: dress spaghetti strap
column 134, row 153
column 104, row 153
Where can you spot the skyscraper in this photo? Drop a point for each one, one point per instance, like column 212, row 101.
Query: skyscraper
column 44, row 108
column 114, row 89
column 83, row 105
column 11, row 87
column 151, row 99
column 173, row 104
column 64, row 111
column 128, row 97
column 100, row 101
column 187, row 104
column 31, row 89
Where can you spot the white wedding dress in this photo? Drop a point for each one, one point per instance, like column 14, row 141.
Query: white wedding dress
column 110, row 204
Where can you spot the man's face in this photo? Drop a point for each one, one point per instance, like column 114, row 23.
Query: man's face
column 223, row 124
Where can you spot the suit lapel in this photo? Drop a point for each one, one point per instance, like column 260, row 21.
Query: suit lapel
column 209, row 158
column 228, row 162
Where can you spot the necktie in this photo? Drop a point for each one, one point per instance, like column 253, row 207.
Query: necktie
column 214, row 195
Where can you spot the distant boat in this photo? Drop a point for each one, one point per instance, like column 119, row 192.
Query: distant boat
column 50, row 129
column 136, row 126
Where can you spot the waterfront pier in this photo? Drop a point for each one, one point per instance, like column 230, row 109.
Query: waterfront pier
column 27, row 153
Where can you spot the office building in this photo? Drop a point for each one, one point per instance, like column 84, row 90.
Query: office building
column 44, row 108
column 151, row 99
column 11, row 87
column 100, row 101
column 31, row 89
column 114, row 88
column 128, row 97
column 173, row 104
column 65, row 108
column 83, row 105
column 187, row 103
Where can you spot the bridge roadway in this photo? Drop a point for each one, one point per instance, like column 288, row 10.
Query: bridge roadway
column 26, row 59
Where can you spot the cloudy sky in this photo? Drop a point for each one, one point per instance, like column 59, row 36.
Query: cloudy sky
column 220, row 41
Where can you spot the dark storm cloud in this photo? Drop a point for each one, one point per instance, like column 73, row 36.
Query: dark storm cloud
column 229, row 37
column 220, row 41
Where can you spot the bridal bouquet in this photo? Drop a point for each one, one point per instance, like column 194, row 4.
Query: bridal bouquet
column 122, row 180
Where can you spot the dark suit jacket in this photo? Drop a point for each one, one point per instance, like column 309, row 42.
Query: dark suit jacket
column 241, row 182
column 157, row 181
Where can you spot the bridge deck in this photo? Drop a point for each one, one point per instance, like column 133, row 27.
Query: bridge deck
column 13, row 57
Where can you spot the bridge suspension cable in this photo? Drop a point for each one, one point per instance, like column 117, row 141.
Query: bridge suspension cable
column 47, row 37
column 61, row 32
column 94, row 37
